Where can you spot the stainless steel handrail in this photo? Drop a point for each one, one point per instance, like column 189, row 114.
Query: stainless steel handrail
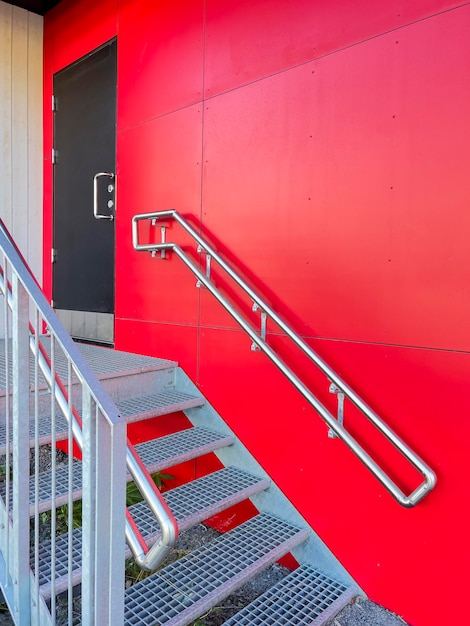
column 407, row 500
column 147, row 558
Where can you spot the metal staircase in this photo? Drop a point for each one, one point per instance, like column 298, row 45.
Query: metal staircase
column 180, row 592
column 54, row 570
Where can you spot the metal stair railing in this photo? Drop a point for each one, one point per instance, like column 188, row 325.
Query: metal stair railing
column 54, row 379
column 338, row 385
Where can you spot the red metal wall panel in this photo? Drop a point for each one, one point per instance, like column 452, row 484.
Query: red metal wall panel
column 149, row 156
column 160, row 57
column 328, row 160
column 74, row 29
column 368, row 173
column 247, row 41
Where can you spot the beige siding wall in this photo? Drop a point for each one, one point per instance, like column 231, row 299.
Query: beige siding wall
column 21, row 193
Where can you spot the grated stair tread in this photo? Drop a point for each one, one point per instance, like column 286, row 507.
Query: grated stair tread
column 180, row 592
column 46, row 488
column 134, row 409
column 153, row 405
column 306, row 597
column 159, row 454
column 44, row 431
column 191, row 503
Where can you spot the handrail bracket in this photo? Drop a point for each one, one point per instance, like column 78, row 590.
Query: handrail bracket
column 340, row 395
column 263, row 323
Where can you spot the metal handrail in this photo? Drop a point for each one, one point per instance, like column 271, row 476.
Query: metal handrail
column 407, row 500
column 146, row 558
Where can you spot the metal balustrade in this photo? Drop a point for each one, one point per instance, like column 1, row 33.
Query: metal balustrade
column 44, row 374
column 260, row 341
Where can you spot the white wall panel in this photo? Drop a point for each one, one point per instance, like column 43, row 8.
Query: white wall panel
column 21, row 196
column 21, row 124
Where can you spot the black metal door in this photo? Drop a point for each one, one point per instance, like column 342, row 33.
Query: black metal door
column 83, row 229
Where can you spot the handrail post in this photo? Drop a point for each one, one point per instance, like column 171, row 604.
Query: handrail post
column 20, row 479
column 103, row 517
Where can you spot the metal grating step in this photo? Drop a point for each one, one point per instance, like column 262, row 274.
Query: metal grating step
column 191, row 503
column 44, row 431
column 45, row 487
column 159, row 454
column 306, row 597
column 153, row 405
column 131, row 409
column 196, row 501
column 185, row 589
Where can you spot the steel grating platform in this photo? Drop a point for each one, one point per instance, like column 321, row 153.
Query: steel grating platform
column 185, row 589
column 306, row 597
column 190, row 503
column 105, row 362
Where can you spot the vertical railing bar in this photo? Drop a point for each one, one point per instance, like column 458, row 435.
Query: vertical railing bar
column 20, row 537
column 88, row 520
column 7, row 412
column 97, row 562
column 37, row 323
column 53, row 480
column 70, row 495
column 117, row 507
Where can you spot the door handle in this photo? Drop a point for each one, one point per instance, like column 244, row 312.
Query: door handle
column 111, row 187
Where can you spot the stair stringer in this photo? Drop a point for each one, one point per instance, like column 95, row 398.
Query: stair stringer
column 313, row 551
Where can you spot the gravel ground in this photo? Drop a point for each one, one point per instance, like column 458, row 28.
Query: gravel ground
column 366, row 613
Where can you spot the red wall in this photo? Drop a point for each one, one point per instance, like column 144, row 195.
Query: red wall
column 323, row 146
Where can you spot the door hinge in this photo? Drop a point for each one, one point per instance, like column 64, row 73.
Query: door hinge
column 53, row 255
column 54, row 103
column 55, row 156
